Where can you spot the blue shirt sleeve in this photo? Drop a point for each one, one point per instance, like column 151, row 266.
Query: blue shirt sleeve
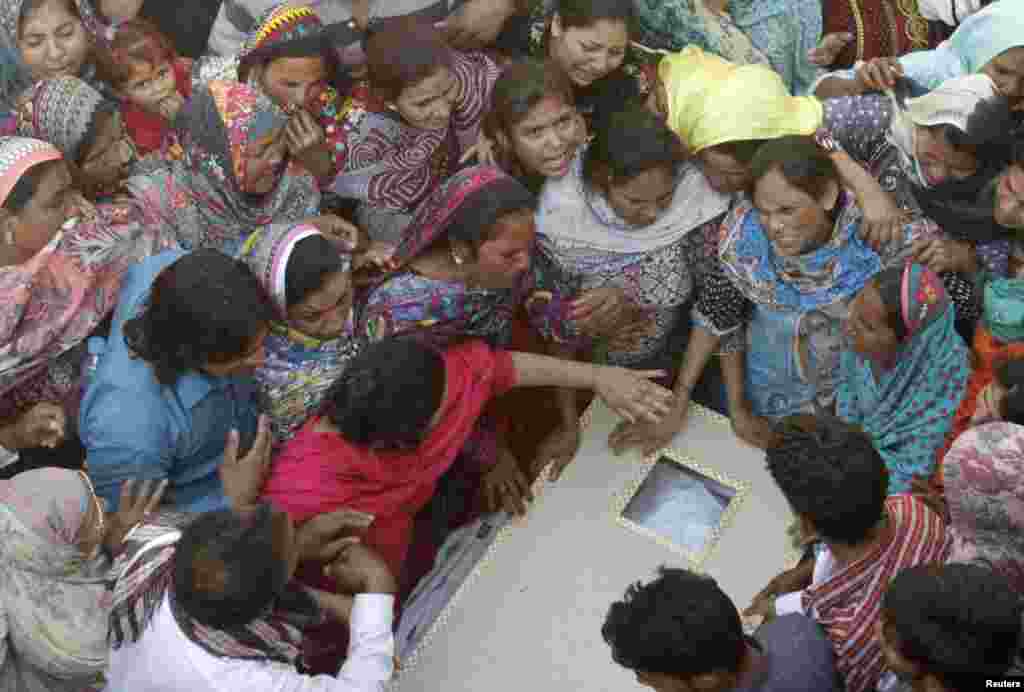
column 125, row 440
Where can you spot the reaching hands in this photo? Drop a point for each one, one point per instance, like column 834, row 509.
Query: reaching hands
column 505, row 487
column 602, row 312
column 325, row 536
column 358, row 569
column 632, row 395
column 243, row 478
column 828, row 49
column 139, row 499
column 883, row 219
column 559, row 449
column 945, row 255
column 879, row 74
column 43, row 425
column 649, row 436
column 756, row 431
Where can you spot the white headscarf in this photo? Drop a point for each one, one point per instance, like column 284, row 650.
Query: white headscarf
column 570, row 215
column 53, row 608
column 951, row 103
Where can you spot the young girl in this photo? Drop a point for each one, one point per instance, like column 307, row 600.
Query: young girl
column 144, row 71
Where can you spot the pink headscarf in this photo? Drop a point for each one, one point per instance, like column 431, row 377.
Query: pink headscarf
column 984, row 486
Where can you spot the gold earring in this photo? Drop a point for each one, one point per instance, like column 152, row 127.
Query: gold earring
column 459, row 261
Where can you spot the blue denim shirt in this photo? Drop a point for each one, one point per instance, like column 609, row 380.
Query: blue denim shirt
column 135, row 428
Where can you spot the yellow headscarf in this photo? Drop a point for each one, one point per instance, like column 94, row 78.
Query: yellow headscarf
column 712, row 101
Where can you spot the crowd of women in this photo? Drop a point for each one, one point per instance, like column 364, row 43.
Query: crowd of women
column 303, row 270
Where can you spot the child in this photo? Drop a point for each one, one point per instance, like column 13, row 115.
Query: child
column 144, row 71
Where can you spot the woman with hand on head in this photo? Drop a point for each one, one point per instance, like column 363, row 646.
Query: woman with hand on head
column 406, row 136
column 939, row 156
column 796, row 252
column 61, row 276
column 288, row 57
column 636, row 219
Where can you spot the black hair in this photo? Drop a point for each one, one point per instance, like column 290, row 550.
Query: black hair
column 205, row 307
column 800, row 160
column 954, row 620
column 584, row 13
column 832, row 475
column 743, row 150
column 27, row 186
column 313, row 259
column 1010, row 374
column 889, row 283
column 227, row 568
column 388, row 395
column 520, row 87
column 681, row 624
column 30, row 6
column 473, row 222
column 628, row 143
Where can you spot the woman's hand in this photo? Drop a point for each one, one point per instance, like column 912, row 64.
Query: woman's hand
column 883, row 219
column 346, row 233
column 879, row 74
column 558, row 449
column 945, row 256
column 756, row 431
column 243, row 478
column 323, row 537
column 791, row 580
column 378, row 255
column 308, row 144
column 43, row 425
column 650, row 437
column 828, row 49
column 632, row 395
column 483, row 150
column 600, row 312
column 476, row 23
column 505, row 487
column 139, row 499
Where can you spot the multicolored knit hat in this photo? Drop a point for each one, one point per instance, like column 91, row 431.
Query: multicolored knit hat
column 62, row 111
column 285, row 30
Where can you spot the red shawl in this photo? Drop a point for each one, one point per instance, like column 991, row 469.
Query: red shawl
column 320, row 472
column 848, row 603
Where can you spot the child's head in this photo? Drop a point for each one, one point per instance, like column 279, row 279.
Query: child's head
column 139, row 66
column 389, row 396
